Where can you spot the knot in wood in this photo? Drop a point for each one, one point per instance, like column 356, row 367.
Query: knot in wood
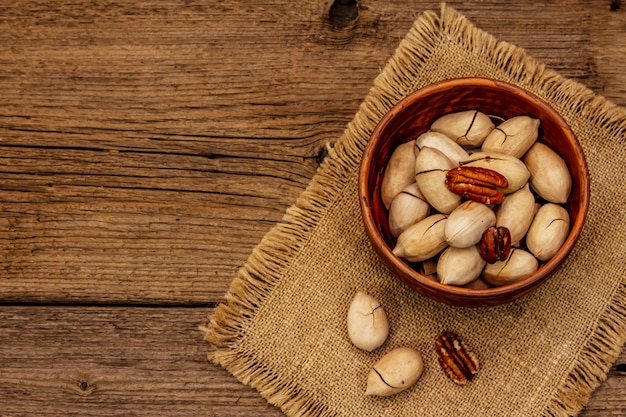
column 343, row 13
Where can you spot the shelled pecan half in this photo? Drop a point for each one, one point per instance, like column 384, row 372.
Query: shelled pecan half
column 457, row 361
column 477, row 183
column 495, row 244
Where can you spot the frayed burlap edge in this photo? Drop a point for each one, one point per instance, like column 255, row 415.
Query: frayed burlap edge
column 594, row 361
column 270, row 259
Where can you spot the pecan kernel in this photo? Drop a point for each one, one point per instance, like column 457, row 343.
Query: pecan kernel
column 495, row 244
column 457, row 361
column 477, row 183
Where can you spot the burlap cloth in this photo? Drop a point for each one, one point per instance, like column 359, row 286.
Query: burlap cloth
column 282, row 326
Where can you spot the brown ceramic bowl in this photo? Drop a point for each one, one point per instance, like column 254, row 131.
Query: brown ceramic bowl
column 412, row 116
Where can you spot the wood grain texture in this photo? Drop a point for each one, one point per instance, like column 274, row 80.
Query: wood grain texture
column 146, row 147
column 114, row 362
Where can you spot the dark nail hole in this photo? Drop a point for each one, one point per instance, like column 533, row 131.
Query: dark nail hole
column 615, row 5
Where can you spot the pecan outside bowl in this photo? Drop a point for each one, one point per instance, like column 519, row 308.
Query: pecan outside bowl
column 412, row 116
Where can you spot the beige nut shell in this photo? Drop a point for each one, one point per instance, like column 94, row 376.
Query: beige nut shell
column 548, row 231
column 423, row 240
column 431, row 166
column 395, row 372
column 399, row 172
column 367, row 322
column 549, row 175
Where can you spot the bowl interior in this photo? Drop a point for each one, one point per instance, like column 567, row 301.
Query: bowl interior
column 413, row 116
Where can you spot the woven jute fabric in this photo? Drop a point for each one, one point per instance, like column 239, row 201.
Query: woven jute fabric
column 282, row 326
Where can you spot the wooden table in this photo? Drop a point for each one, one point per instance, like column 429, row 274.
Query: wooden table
column 147, row 146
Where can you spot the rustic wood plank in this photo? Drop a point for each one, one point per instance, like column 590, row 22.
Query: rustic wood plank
column 147, row 147
column 132, row 361
column 174, row 158
column 609, row 399
column 607, row 59
column 114, row 362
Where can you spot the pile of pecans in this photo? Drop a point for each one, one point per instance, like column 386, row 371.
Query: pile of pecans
column 476, row 204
